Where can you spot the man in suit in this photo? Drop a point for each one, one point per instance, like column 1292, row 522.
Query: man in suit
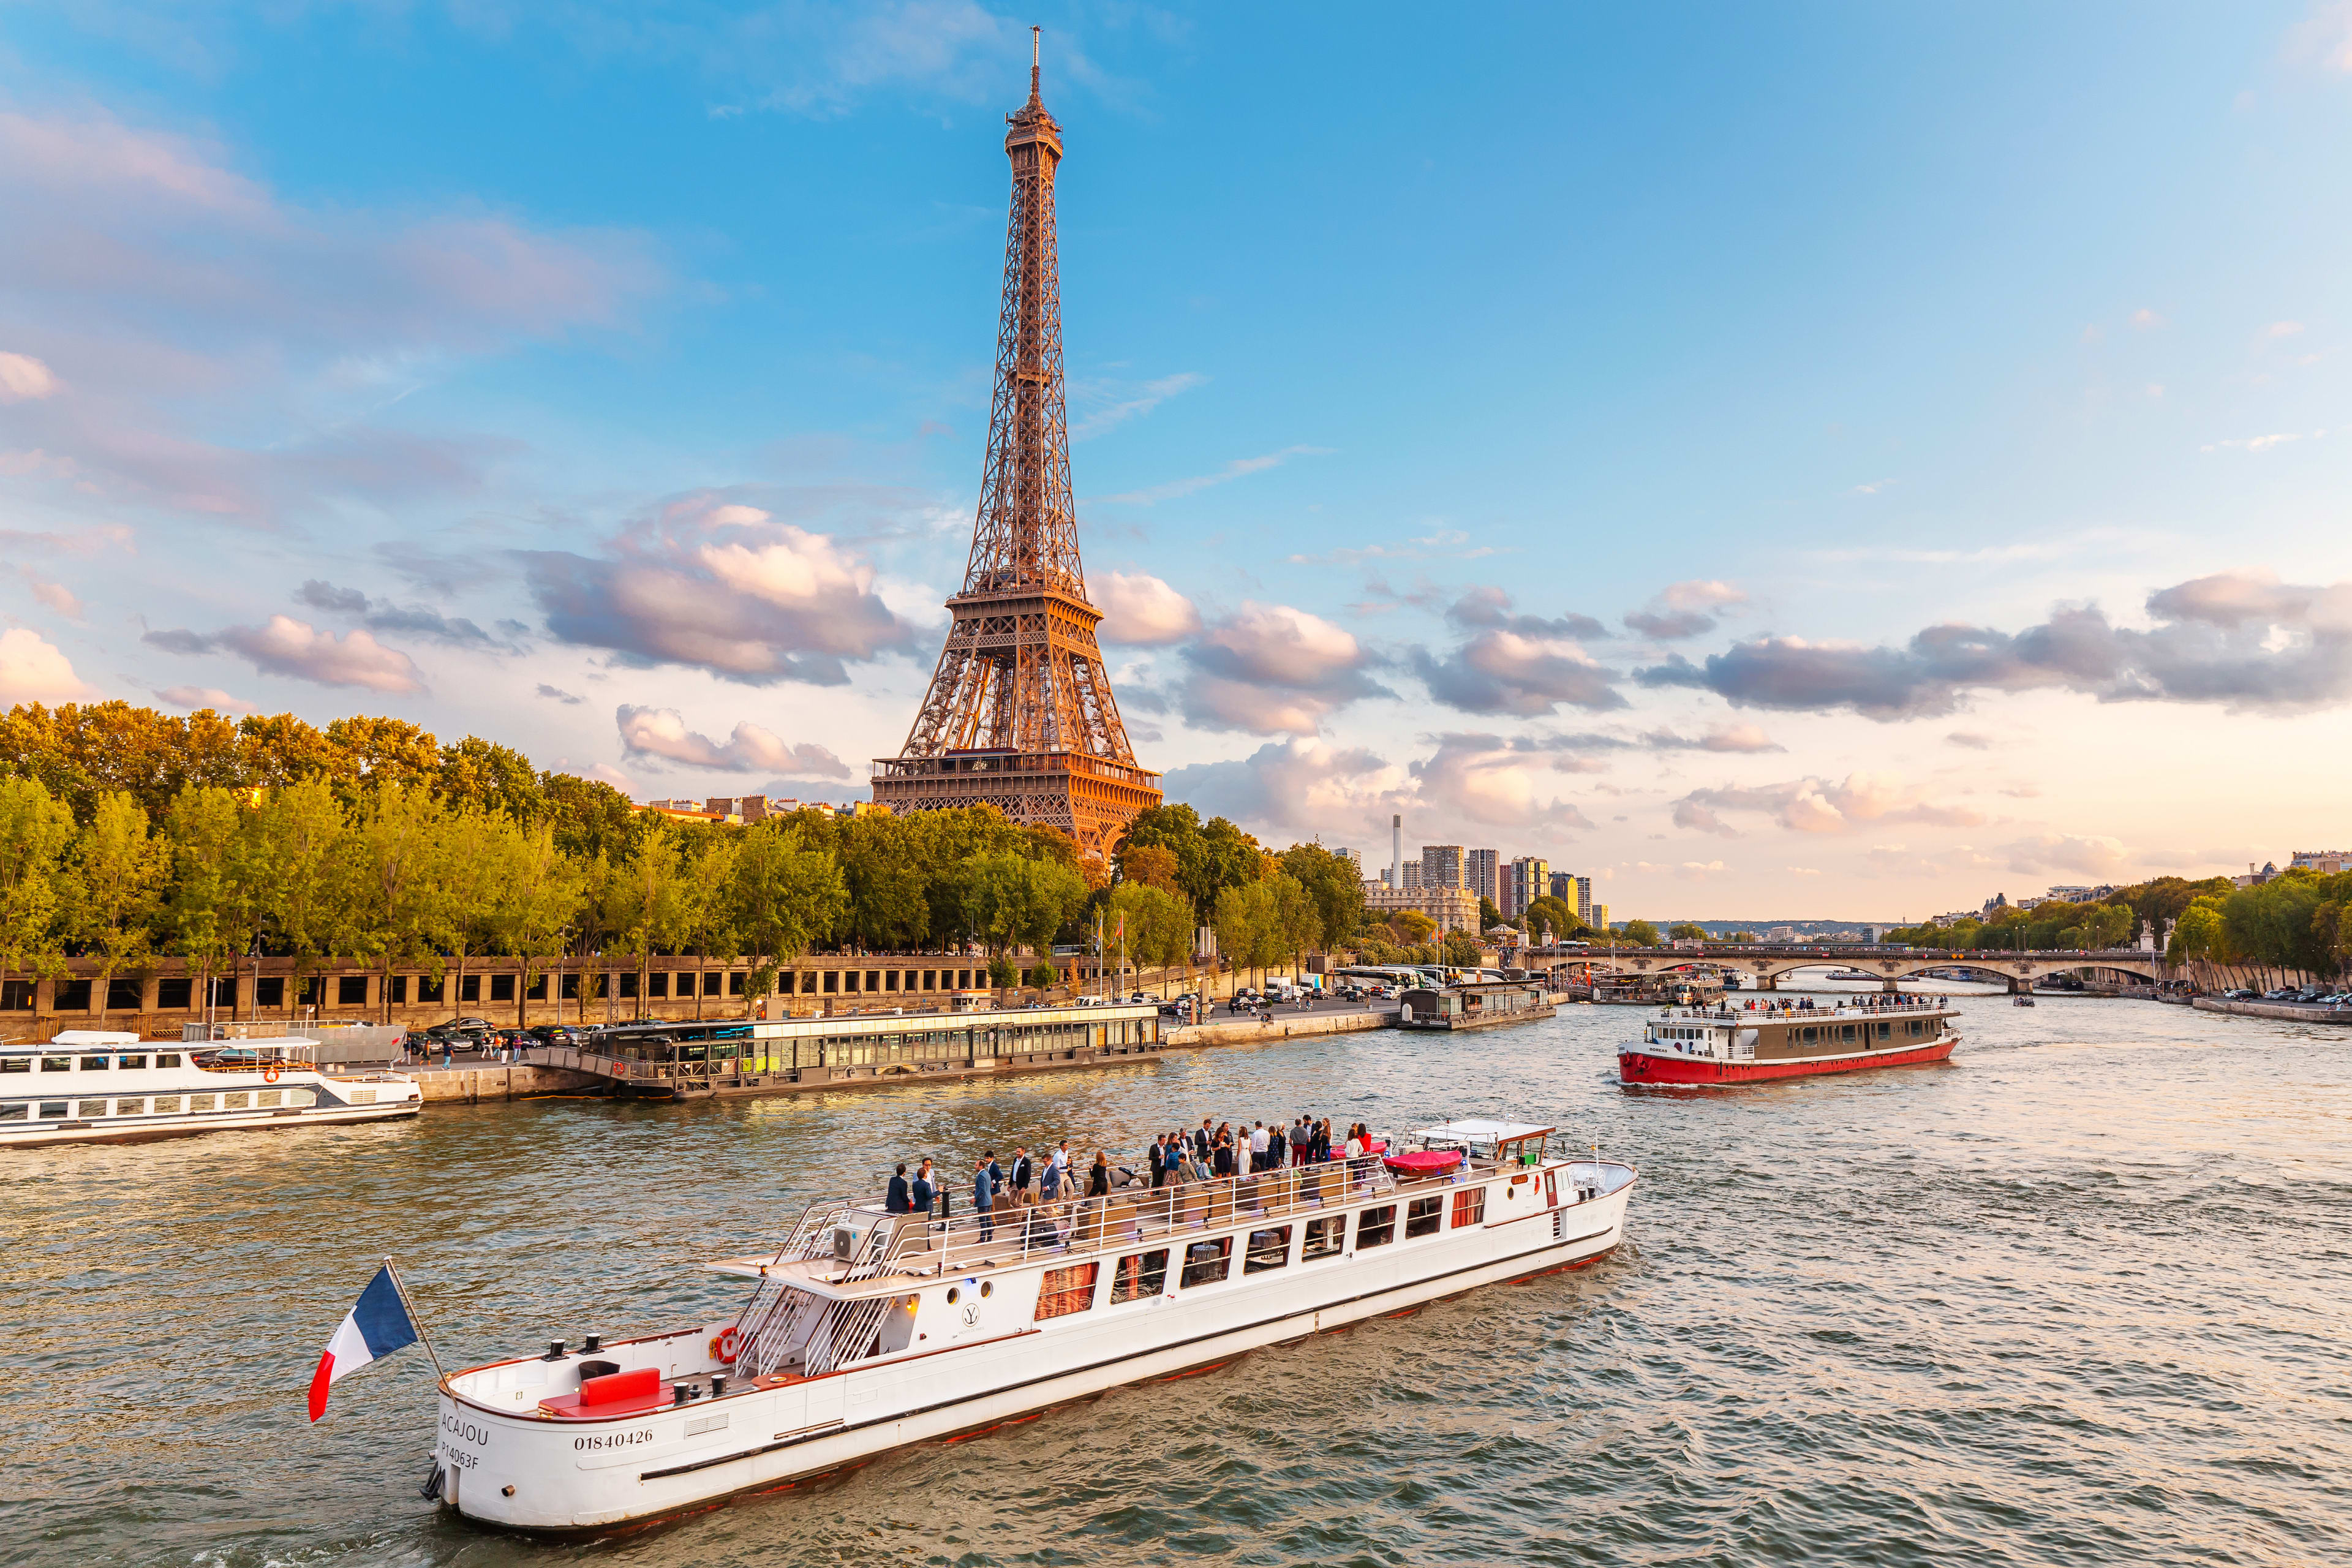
column 1024, row 1173
column 922, row 1191
column 902, row 1198
column 984, row 1196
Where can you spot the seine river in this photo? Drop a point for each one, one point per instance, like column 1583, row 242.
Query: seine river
column 2082, row 1295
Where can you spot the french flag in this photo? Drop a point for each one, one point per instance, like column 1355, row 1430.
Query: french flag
column 378, row 1326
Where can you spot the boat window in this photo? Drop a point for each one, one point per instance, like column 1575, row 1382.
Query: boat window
column 1811, row 1035
column 237, row 1101
column 56, row 1064
column 1423, row 1215
column 1885, row 1029
column 1324, row 1237
column 1141, row 1274
column 954, row 1295
column 1376, row 1227
column 15, row 1064
column 1846, row 1033
column 1268, row 1248
column 93, row 1064
column 20, row 1110
column 129, row 1062
column 167, row 1105
column 1469, row 1206
column 271, row 1096
column 91, row 1107
column 1068, row 1290
column 1207, row 1262
column 53, row 1110
column 129, row 1107
column 204, row 1101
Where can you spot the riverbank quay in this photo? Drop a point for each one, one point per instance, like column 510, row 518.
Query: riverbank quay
column 470, row 1083
column 2290, row 1012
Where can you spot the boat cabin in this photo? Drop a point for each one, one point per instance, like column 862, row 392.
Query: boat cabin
column 1475, row 1005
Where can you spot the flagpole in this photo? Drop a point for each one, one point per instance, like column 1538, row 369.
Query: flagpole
column 414, row 1317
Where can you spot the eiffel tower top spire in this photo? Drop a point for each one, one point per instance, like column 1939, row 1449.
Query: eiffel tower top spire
column 1021, row 697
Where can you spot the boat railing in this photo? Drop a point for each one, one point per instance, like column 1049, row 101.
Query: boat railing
column 255, row 1056
column 1026, row 1228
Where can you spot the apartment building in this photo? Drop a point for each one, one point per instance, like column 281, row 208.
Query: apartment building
column 1525, row 880
column 1454, row 908
column 1482, row 874
column 1441, row 866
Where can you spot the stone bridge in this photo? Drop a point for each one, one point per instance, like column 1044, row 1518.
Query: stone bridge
column 1768, row 961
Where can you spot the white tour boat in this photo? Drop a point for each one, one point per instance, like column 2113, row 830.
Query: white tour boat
column 92, row 1086
column 867, row 1330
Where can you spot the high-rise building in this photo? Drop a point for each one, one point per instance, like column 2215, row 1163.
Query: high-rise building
column 1482, row 874
column 1599, row 918
column 1440, row 866
column 1020, row 714
column 1353, row 858
column 1525, row 880
column 1412, row 872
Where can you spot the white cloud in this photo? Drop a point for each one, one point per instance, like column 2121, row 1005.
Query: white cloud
column 2324, row 38
column 24, row 379
column 1273, row 669
column 2282, row 328
column 32, row 670
column 2256, row 442
column 2143, row 319
column 1818, row 805
column 1141, row 610
column 1108, row 407
column 662, row 733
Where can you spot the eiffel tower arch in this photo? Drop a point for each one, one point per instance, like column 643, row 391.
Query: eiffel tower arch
column 1020, row 713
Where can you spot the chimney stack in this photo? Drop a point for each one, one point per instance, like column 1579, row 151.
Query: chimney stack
column 1396, row 850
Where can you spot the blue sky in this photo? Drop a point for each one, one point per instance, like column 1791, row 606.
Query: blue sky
column 1956, row 403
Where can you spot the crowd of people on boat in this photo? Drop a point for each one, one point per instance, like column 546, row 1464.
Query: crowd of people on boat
column 1212, row 1152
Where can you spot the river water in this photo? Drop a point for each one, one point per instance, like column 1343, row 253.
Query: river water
column 2082, row 1295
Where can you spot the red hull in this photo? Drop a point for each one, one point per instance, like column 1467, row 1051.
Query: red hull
column 1635, row 1067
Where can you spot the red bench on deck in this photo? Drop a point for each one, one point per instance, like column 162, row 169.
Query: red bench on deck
column 609, row 1394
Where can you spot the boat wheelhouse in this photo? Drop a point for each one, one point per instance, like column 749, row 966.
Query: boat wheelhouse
column 686, row 1060
column 92, row 1086
column 1745, row 1044
column 1480, row 1005
column 868, row 1330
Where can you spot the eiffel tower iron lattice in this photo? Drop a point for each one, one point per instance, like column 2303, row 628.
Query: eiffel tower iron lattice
column 1020, row 713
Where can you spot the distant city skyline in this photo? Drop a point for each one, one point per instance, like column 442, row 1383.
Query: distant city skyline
column 1850, row 461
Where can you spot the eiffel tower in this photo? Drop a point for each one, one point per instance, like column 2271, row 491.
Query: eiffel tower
column 1020, row 713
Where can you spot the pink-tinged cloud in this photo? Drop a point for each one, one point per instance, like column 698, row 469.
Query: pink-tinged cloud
column 662, row 733
column 24, row 379
column 725, row 587
column 32, row 670
column 211, row 697
column 1141, row 611
column 178, row 298
column 287, row 646
column 1820, row 805
column 1270, row 669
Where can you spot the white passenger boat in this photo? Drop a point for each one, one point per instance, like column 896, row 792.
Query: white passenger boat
column 91, row 1086
column 868, row 1331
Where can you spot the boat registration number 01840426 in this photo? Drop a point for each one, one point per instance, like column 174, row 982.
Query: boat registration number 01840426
column 612, row 1440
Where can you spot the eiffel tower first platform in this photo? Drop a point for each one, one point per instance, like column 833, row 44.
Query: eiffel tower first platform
column 1020, row 713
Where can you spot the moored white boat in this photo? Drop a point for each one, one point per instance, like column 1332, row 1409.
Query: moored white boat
column 91, row 1086
column 867, row 1330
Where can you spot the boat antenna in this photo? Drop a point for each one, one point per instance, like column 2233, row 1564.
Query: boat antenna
column 414, row 1317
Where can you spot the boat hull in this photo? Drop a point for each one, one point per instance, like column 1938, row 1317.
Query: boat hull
column 506, row 1470
column 1644, row 1067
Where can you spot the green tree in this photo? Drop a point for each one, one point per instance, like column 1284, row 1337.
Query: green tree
column 1461, row 951
column 1686, row 931
column 708, row 920
column 395, row 910
column 1548, row 919
column 1639, row 934
column 645, row 899
column 1011, row 901
column 486, row 776
column 2198, row 934
column 1210, row 858
column 119, row 873
column 1331, row 881
column 290, row 855
column 542, row 895
column 1159, row 926
column 36, row 830
column 783, row 894
column 214, row 911
column 591, row 817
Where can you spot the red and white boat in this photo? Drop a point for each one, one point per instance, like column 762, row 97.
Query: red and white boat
column 1768, row 1040
column 868, row 1331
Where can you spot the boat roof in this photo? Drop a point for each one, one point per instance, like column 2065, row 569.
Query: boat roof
column 76, row 1037
column 1477, row 1131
